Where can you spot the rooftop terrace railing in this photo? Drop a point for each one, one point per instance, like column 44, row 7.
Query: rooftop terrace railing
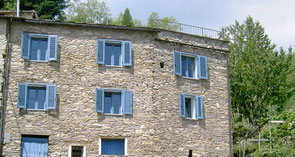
column 190, row 29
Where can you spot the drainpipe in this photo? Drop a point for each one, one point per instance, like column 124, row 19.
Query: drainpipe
column 229, row 106
column 5, row 83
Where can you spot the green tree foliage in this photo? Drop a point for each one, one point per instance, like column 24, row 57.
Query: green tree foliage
column 118, row 20
column 127, row 18
column 8, row 4
column 168, row 23
column 90, row 11
column 282, row 135
column 137, row 23
column 258, row 73
column 46, row 9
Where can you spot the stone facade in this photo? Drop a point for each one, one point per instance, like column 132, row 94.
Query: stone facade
column 155, row 127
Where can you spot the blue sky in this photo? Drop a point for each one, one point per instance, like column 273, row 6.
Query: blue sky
column 276, row 16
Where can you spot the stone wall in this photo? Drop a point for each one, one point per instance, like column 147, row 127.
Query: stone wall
column 155, row 127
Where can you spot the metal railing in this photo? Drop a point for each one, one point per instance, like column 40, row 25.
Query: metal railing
column 190, row 29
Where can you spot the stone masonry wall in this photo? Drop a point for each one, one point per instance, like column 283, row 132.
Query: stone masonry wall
column 154, row 129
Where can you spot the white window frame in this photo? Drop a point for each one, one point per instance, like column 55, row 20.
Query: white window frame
column 125, row 145
column 70, row 150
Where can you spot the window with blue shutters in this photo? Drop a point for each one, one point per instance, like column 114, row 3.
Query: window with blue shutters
column 114, row 52
column 39, row 47
column 34, row 96
column 191, row 106
column 32, row 146
column 189, row 65
column 113, row 101
column 113, row 147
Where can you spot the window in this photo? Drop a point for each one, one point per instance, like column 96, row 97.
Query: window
column 39, row 47
column 113, row 146
column 191, row 106
column 34, row 146
column 114, row 52
column 113, row 101
column 190, row 65
column 36, row 96
column 77, row 151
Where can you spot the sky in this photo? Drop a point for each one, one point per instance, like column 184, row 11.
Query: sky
column 276, row 16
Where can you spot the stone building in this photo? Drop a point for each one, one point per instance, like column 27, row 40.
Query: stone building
column 94, row 90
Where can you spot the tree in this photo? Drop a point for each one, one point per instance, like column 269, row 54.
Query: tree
column 258, row 72
column 137, row 23
column 90, row 11
column 8, row 4
column 168, row 23
column 127, row 18
column 46, row 9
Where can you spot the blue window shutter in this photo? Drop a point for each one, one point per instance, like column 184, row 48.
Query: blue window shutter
column 99, row 100
column 182, row 105
column 22, row 95
column 202, row 67
column 25, row 45
column 199, row 107
column 177, row 63
column 52, row 50
column 100, row 51
column 127, row 102
column 127, row 53
column 51, row 97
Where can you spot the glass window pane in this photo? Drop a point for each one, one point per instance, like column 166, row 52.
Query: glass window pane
column 112, row 102
column 108, row 54
column 188, row 107
column 77, row 151
column 34, row 146
column 113, row 54
column 36, row 97
column 38, row 49
column 183, row 63
column 107, row 102
column 188, row 66
column 116, row 102
column 113, row 146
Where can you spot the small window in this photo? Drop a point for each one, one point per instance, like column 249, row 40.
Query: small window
column 190, row 65
column 113, row 147
column 36, row 96
column 114, row 52
column 191, row 106
column 77, row 151
column 39, row 47
column 34, row 146
column 113, row 101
